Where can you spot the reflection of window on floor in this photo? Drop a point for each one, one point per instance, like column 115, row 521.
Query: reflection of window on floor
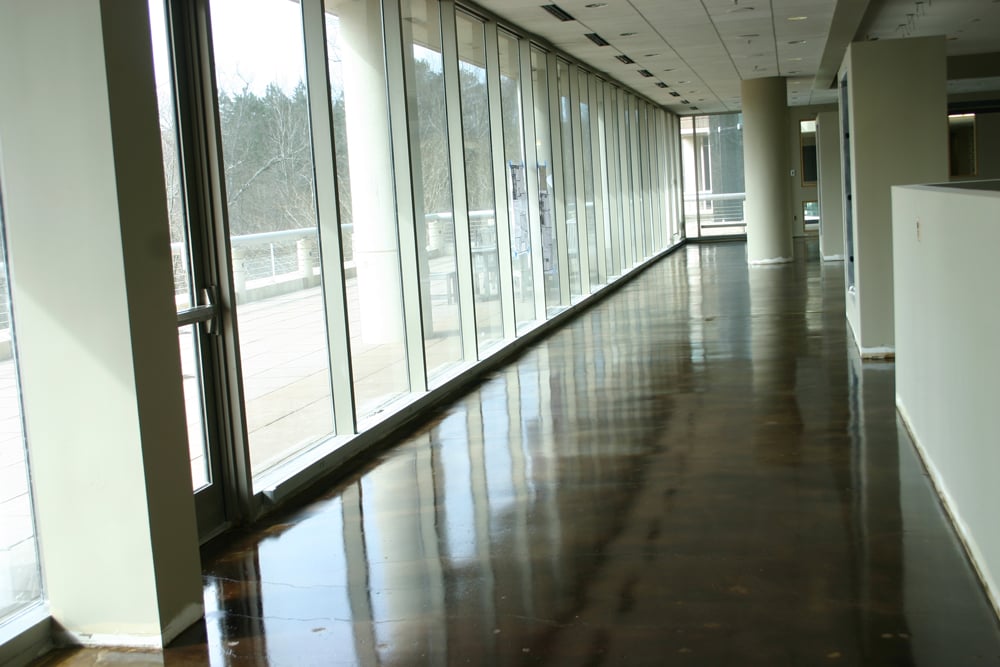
column 20, row 580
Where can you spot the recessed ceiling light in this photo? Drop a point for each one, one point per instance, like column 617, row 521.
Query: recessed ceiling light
column 797, row 41
column 797, row 18
column 628, row 34
column 595, row 5
column 651, row 55
column 749, row 35
column 794, row 59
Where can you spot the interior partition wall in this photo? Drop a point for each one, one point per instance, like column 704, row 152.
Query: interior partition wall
column 365, row 200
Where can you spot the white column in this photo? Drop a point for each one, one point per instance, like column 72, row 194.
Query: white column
column 376, row 252
column 765, row 147
column 89, row 246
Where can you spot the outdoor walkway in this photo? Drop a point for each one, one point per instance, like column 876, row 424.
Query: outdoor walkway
column 697, row 471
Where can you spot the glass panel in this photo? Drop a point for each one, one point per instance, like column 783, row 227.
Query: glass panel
column 193, row 397
column 603, row 174
column 638, row 220
column 432, row 195
column 517, row 185
column 810, row 214
column 688, row 162
column 648, row 139
column 263, row 109
column 720, row 174
column 179, row 246
column 20, row 579
column 617, row 182
column 479, row 178
column 367, row 203
column 569, row 180
column 628, row 189
column 543, row 168
column 588, row 177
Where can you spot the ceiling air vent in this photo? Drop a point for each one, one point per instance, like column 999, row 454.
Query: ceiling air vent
column 558, row 12
column 625, row 59
column 597, row 39
column 646, row 73
column 661, row 84
column 675, row 93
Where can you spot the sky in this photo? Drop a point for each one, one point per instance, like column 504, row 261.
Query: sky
column 256, row 42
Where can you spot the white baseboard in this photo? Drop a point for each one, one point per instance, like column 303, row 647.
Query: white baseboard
column 153, row 642
column 878, row 352
column 961, row 528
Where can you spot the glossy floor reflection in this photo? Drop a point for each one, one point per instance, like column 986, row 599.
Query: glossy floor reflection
column 694, row 472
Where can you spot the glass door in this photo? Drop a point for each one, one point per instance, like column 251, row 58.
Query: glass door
column 194, row 294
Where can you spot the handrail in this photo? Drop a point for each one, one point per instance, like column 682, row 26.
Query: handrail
column 722, row 196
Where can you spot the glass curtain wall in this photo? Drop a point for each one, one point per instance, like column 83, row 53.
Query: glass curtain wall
column 714, row 192
column 479, row 178
column 593, row 166
column 20, row 577
column 367, row 204
column 267, row 108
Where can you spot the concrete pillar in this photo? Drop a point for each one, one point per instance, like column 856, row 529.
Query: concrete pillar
column 239, row 255
column 373, row 203
column 765, row 147
column 100, row 370
column 305, row 260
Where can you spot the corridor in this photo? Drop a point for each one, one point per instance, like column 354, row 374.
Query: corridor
column 696, row 471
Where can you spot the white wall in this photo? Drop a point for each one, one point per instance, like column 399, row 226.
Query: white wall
column 831, row 187
column 947, row 363
column 100, row 374
column 898, row 136
column 988, row 145
column 799, row 194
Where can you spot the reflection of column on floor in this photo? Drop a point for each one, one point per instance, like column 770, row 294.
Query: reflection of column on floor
column 372, row 200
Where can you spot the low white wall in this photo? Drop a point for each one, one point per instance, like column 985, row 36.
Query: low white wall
column 947, row 319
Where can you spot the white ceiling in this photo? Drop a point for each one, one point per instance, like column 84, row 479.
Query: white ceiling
column 702, row 49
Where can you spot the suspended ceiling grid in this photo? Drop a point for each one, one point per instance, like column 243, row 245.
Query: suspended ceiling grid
column 700, row 50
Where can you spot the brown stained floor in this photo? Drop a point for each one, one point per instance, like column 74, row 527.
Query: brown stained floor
column 698, row 471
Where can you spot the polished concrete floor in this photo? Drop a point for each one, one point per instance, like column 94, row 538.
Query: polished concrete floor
column 697, row 471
